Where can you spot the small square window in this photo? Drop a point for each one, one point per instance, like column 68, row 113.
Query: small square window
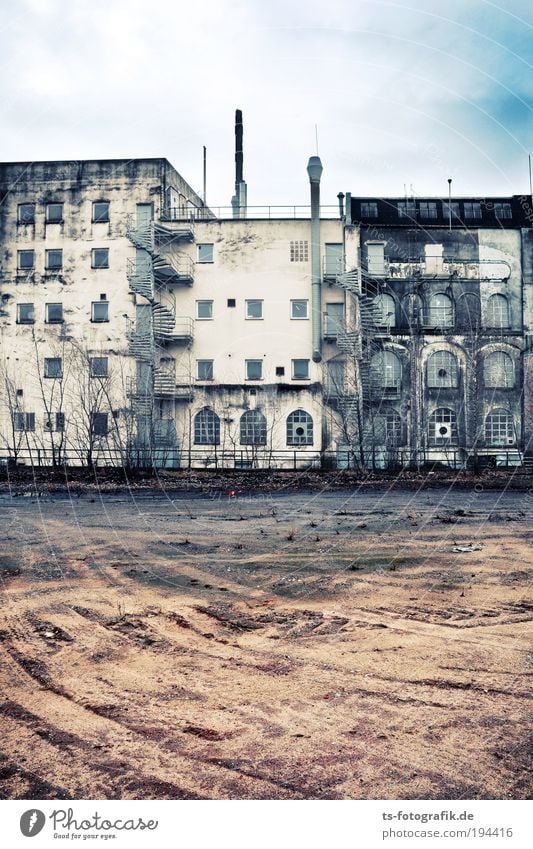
column 254, row 309
column 54, row 260
column 100, row 258
column 54, row 213
column 24, row 421
column 204, row 369
column 54, row 313
column 503, row 211
column 280, row 371
column 369, row 209
column 99, row 424
column 299, row 251
column 99, row 311
column 472, row 210
column 232, row 302
column 406, row 209
column 53, row 367
column 99, row 366
column 254, row 369
column 428, row 209
column 299, row 309
column 100, row 212
column 25, row 313
column 26, row 260
column 204, row 309
column 205, row 253
column 26, row 213
column 300, row 369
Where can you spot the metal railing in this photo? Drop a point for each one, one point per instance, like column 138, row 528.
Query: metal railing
column 330, row 211
column 487, row 269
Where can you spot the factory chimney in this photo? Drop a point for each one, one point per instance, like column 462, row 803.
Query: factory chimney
column 238, row 201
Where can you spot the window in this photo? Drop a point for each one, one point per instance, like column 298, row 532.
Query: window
column 25, row 313
column 499, row 428
column 503, row 211
column 442, row 370
column 204, row 309
column 206, row 428
column 369, row 209
column 280, row 371
column 375, row 257
column 54, row 260
column 299, row 428
column 335, row 378
column 205, row 253
column 427, row 209
column 406, row 209
column 26, row 213
column 386, row 372
column 99, row 424
column 99, row 366
column 498, row 370
column 24, row 421
column 333, row 259
column 442, row 427
column 472, row 210
column 53, row 367
column 334, row 320
column 254, row 369
column 253, row 428
column 498, row 311
column 204, row 369
column 54, row 313
column 54, row 213
column 300, row 369
column 440, row 312
column 299, row 309
column 26, row 260
column 232, row 302
column 299, row 251
column 254, row 309
column 55, row 421
column 385, row 311
column 452, row 207
column 99, row 311
column 100, row 258
column 393, row 429
column 100, row 212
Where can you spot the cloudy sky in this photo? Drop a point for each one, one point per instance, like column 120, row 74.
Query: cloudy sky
column 403, row 93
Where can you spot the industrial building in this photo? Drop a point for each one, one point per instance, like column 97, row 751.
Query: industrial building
column 140, row 327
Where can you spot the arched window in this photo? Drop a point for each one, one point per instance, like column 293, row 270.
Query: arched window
column 206, row 427
column 385, row 311
column 386, row 372
column 299, row 428
column 498, row 311
column 468, row 312
column 498, row 370
column 499, row 428
column 442, row 427
column 253, row 428
column 393, row 429
column 440, row 312
column 442, row 370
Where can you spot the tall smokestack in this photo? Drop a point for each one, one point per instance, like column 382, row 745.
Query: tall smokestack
column 314, row 170
column 238, row 201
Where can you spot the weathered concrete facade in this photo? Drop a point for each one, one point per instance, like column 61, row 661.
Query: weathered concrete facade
column 137, row 327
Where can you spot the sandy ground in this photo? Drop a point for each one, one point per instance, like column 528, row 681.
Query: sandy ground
column 291, row 646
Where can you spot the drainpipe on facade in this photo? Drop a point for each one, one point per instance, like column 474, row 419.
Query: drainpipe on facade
column 314, row 169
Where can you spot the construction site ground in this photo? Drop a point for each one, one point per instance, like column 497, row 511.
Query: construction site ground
column 307, row 645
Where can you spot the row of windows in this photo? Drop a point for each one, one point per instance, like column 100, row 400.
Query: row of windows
column 53, row 313
column 431, row 210
column 439, row 310
column 253, row 428
column 499, row 428
column 443, row 370
column 253, row 369
column 98, row 367
column 56, row 422
column 54, row 213
column 253, row 308
column 53, row 260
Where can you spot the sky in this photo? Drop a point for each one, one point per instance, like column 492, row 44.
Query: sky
column 400, row 95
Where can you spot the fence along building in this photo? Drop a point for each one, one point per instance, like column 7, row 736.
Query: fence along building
column 139, row 326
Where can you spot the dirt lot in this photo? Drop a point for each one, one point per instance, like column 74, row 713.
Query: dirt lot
column 288, row 646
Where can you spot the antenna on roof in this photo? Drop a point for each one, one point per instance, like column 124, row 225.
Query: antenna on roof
column 530, row 183
column 316, row 138
column 450, row 203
